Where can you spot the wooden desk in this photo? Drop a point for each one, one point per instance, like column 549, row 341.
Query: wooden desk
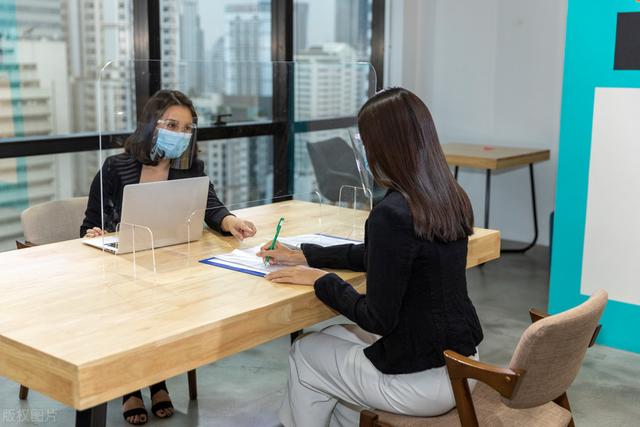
column 80, row 327
column 492, row 157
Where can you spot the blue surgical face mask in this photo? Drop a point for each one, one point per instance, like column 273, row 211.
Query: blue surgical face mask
column 169, row 144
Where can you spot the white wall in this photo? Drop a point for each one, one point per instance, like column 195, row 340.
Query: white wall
column 491, row 73
column 611, row 252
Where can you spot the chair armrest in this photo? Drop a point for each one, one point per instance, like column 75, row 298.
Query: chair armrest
column 536, row 315
column 502, row 380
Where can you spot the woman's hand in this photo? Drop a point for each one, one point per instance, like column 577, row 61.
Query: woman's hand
column 299, row 275
column 281, row 255
column 93, row 232
column 240, row 228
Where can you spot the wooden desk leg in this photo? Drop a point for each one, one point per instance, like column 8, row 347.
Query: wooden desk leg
column 487, row 198
column 92, row 417
column 535, row 217
column 193, row 385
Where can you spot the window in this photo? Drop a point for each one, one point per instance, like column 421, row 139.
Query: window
column 320, row 23
column 241, row 169
column 223, row 62
column 325, row 55
column 48, row 51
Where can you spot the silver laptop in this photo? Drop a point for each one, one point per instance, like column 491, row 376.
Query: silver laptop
column 164, row 208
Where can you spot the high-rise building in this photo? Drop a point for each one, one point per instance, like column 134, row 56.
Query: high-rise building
column 215, row 76
column 34, row 19
column 353, row 25
column 300, row 21
column 26, row 110
column 247, row 41
column 191, row 49
column 170, row 43
column 33, row 102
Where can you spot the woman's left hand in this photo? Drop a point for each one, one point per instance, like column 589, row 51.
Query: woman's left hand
column 240, row 228
column 299, row 275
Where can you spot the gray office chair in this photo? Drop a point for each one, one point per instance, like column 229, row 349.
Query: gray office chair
column 56, row 221
column 334, row 165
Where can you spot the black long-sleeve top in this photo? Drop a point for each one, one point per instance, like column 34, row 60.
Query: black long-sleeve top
column 121, row 170
column 416, row 291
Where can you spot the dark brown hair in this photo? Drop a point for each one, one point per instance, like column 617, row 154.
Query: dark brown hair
column 139, row 143
column 404, row 154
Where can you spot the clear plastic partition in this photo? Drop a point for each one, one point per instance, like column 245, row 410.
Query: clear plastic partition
column 306, row 220
column 156, row 232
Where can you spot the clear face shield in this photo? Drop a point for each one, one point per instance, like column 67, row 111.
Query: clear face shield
column 176, row 142
column 361, row 160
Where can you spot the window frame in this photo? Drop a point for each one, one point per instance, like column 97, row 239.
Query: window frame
column 146, row 33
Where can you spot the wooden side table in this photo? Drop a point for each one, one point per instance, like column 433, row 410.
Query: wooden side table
column 489, row 158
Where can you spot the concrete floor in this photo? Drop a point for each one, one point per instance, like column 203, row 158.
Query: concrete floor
column 245, row 390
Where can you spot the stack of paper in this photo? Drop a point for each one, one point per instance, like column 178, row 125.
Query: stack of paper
column 246, row 261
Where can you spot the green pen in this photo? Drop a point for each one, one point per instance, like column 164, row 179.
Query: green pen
column 275, row 239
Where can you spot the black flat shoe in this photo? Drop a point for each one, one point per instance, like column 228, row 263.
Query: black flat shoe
column 135, row 411
column 160, row 405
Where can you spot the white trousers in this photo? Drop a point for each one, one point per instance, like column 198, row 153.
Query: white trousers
column 331, row 380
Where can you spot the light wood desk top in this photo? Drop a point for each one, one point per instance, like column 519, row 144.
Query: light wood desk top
column 491, row 157
column 79, row 326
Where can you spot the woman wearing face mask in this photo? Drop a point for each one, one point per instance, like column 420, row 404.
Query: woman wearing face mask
column 161, row 148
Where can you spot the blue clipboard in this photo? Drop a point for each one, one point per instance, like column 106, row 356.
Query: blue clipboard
column 213, row 260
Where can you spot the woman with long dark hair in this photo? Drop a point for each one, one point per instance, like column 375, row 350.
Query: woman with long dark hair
column 163, row 147
column 416, row 305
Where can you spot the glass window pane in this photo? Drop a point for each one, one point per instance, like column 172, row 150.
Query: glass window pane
column 240, row 169
column 50, row 51
column 219, row 53
column 28, row 181
column 329, row 38
column 306, row 175
column 318, row 24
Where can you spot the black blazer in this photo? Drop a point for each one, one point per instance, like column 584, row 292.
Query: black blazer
column 416, row 291
column 121, row 170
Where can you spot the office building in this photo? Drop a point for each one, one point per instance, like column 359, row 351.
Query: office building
column 301, row 22
column 353, row 25
column 191, row 48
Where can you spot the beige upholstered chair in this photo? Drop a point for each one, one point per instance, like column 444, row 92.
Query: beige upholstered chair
column 531, row 391
column 57, row 221
column 53, row 221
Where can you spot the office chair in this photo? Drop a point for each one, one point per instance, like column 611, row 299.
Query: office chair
column 531, row 391
column 334, row 165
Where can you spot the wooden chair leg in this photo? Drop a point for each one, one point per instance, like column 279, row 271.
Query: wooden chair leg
column 193, row 385
column 24, row 392
column 563, row 401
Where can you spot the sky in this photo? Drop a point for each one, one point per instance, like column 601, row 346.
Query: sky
column 321, row 12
